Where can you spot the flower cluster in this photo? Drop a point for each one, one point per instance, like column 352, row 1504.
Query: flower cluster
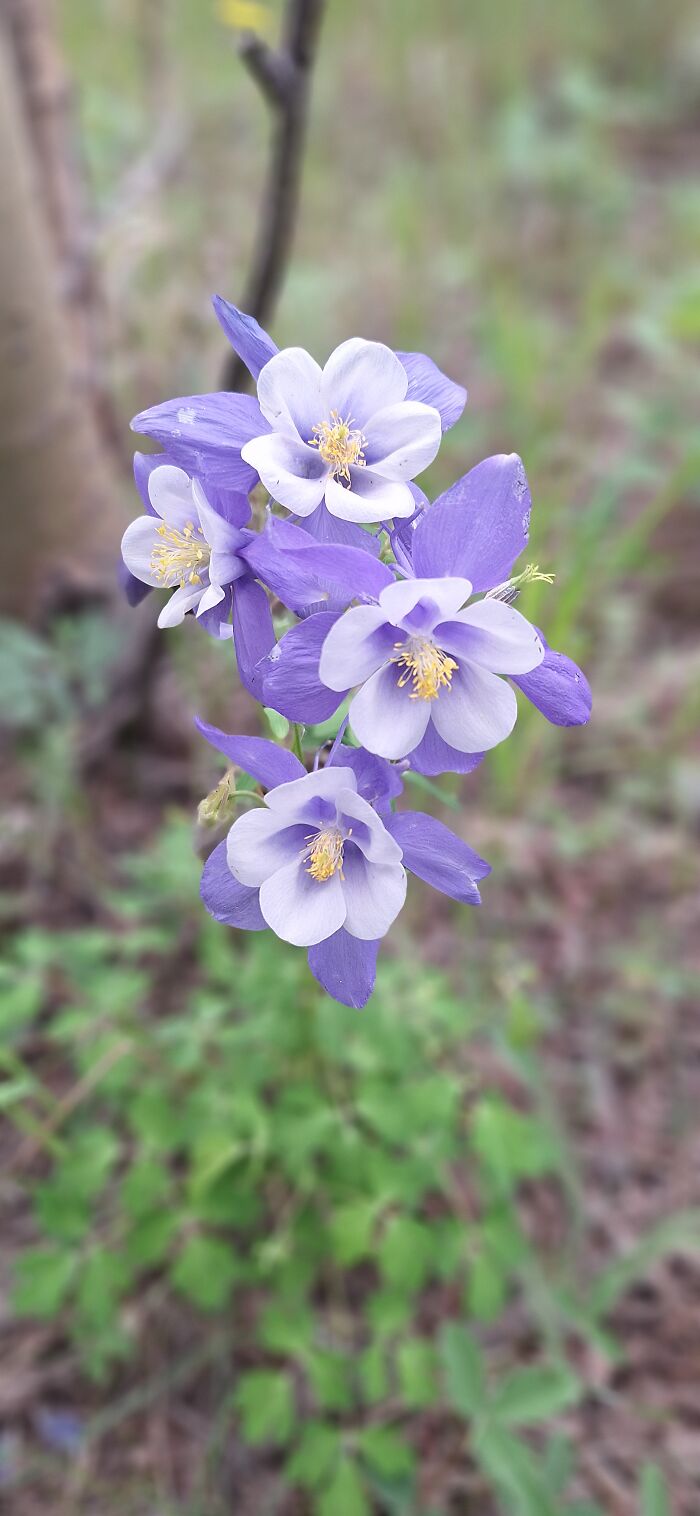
column 403, row 608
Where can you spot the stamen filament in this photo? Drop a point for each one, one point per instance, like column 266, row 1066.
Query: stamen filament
column 339, row 445
column 180, row 555
column 325, row 854
column 425, row 666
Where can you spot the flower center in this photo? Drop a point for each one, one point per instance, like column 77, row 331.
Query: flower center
column 179, row 554
column 325, row 854
column 338, row 444
column 425, row 665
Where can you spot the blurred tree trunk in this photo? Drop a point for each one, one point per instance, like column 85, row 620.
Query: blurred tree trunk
column 59, row 504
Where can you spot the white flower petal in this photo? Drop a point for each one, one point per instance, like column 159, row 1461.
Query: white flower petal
column 400, row 599
column 181, row 601
column 357, row 645
column 374, row 894
column 170, row 494
column 493, row 635
column 289, row 392
column 260, row 843
column 360, row 378
column 368, row 498
column 138, row 543
column 403, row 439
column 293, row 473
column 302, row 910
column 476, row 711
column 385, row 719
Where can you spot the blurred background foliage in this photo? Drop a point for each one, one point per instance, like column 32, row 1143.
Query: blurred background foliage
column 264, row 1254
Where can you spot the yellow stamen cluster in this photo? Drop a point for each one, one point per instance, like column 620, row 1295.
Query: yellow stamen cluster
column 325, row 854
column 180, row 555
column 425, row 666
column 339, row 445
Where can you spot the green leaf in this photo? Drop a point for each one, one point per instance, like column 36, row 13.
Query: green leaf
column 487, row 1288
column 43, row 1279
column 515, row 1470
column 329, row 1374
column 345, row 1495
column 534, row 1394
column 406, row 1253
column 415, row 1368
column 463, row 1368
column 205, row 1272
column 351, row 1232
column 511, row 1145
column 102, row 1281
column 265, row 1402
column 315, row 1455
column 373, row 1374
column 279, row 725
column 386, row 1452
column 653, row 1492
column 285, row 1331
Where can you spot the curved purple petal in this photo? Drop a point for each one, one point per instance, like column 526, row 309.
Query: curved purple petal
column 291, row 683
column 247, row 338
column 345, row 967
column 302, row 572
column 478, row 527
column 227, row 900
column 205, row 433
column 144, row 464
column 435, row 756
column 426, row 382
column 432, row 851
column 559, row 689
column 253, row 632
column 265, row 761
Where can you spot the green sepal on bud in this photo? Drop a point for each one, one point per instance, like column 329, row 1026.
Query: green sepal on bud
column 219, row 806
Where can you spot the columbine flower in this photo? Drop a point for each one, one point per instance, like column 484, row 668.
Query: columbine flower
column 354, row 433
column 345, row 434
column 323, row 861
column 429, row 670
column 185, row 546
column 212, row 562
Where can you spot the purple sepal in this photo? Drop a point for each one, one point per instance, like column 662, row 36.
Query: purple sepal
column 345, row 967
column 265, row 761
column 134, row 589
column 304, row 573
column 432, row 851
column 232, row 505
column 204, row 434
column 426, row 382
column 378, row 781
column 558, row 688
column 330, row 529
column 435, row 756
column 217, row 620
column 401, row 536
column 291, row 684
column 144, row 464
column 478, row 528
column 227, row 900
column 253, row 632
column 246, row 336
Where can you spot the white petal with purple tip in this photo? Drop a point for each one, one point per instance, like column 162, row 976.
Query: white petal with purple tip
column 183, row 600
column 399, row 599
column 493, row 635
column 259, row 843
column 292, row 472
column 138, row 542
column 355, row 647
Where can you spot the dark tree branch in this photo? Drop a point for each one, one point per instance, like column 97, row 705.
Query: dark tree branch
column 284, row 77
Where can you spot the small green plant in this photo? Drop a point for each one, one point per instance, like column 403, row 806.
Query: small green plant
column 295, row 1174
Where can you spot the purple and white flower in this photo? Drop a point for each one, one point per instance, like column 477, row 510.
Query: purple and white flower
column 323, row 862
column 428, row 668
column 185, row 546
column 345, row 434
column 336, row 447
